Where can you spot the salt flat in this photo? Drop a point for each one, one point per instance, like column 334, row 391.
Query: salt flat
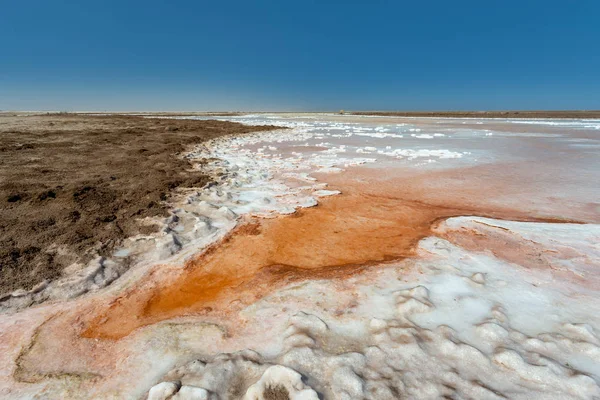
column 347, row 257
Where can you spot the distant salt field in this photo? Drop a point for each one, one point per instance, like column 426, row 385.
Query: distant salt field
column 555, row 160
column 345, row 257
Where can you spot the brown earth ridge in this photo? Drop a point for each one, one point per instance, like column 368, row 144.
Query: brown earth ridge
column 73, row 186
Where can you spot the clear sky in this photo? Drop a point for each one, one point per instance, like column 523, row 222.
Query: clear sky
column 301, row 55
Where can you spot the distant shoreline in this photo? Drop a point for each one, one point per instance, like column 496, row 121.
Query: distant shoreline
column 484, row 114
column 515, row 114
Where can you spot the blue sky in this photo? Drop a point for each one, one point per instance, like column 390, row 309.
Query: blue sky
column 304, row 55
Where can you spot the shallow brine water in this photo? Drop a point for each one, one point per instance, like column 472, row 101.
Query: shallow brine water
column 349, row 257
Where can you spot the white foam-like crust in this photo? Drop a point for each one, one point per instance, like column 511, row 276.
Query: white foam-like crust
column 452, row 323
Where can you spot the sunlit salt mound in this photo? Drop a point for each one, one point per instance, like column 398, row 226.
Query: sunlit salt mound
column 568, row 251
column 280, row 381
column 231, row 375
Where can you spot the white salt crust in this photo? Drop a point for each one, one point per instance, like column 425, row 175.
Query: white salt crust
column 453, row 323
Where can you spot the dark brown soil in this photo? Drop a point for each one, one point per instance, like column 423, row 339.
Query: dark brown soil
column 276, row 393
column 486, row 114
column 73, row 185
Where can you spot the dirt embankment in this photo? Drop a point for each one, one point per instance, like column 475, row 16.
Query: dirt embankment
column 574, row 114
column 74, row 185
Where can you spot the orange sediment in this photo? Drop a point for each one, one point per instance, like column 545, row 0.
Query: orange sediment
column 334, row 239
column 368, row 224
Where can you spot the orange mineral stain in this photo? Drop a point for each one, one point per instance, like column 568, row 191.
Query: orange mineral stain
column 334, row 239
column 375, row 220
